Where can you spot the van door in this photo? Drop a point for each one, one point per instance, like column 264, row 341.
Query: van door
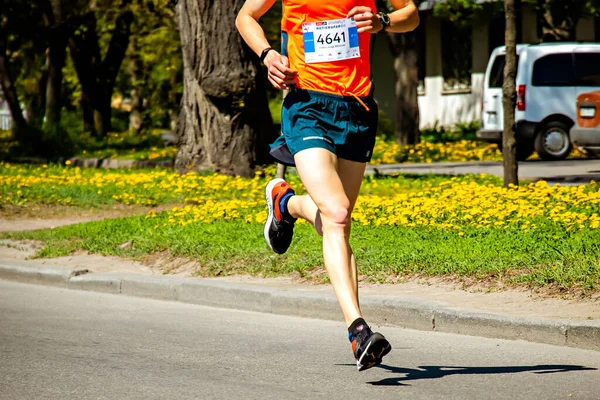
column 587, row 70
column 493, row 115
column 553, row 87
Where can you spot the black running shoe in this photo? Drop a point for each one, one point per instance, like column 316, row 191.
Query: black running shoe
column 278, row 230
column 369, row 348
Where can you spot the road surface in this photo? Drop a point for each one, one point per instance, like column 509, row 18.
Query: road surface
column 65, row 344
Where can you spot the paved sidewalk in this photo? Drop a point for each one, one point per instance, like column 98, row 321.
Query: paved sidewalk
column 480, row 314
column 568, row 171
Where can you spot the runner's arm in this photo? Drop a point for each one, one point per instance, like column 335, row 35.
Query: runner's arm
column 405, row 18
column 248, row 26
column 280, row 75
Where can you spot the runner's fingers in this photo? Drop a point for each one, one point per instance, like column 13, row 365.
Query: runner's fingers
column 358, row 10
column 281, row 83
column 274, row 83
column 368, row 16
column 276, row 79
column 366, row 28
column 278, row 64
column 286, row 63
column 275, row 71
column 364, row 24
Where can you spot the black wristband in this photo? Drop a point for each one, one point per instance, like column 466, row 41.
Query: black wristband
column 264, row 53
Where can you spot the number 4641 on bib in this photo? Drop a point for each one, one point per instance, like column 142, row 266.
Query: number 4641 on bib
column 328, row 41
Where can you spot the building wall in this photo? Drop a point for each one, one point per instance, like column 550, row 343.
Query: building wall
column 529, row 29
column 439, row 107
column 586, row 30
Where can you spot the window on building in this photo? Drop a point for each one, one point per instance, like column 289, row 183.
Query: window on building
column 554, row 70
column 456, row 55
column 587, row 69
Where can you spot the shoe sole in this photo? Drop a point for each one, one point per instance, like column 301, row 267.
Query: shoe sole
column 377, row 348
column 268, row 191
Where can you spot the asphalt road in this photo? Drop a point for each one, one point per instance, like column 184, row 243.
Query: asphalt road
column 65, row 344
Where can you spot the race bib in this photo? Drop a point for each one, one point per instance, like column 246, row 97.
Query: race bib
column 330, row 40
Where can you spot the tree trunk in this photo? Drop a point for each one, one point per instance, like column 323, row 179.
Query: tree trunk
column 405, row 52
column 559, row 18
column 57, row 43
column 404, row 48
column 136, row 74
column 224, row 124
column 36, row 106
column 96, row 76
column 28, row 138
column 7, row 84
column 85, row 53
column 509, row 145
column 54, row 18
column 112, row 63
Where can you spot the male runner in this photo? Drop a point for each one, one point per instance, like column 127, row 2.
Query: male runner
column 329, row 120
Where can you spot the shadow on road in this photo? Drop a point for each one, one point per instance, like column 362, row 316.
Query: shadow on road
column 435, row 372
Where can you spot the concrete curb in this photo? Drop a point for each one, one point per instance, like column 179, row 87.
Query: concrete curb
column 381, row 310
column 112, row 163
column 23, row 272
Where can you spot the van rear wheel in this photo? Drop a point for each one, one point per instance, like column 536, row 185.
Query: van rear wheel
column 552, row 141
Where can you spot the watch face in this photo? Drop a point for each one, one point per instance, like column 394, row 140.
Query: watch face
column 385, row 19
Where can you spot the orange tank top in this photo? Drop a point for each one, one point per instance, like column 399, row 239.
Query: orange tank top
column 343, row 77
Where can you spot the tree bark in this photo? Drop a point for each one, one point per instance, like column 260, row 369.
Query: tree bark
column 404, row 49
column 112, row 63
column 7, row 84
column 559, row 18
column 405, row 52
column 136, row 74
column 28, row 138
column 96, row 76
column 509, row 145
column 55, row 61
column 85, row 53
column 224, row 124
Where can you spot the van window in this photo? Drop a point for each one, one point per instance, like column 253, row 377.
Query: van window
column 554, row 70
column 587, row 69
column 497, row 72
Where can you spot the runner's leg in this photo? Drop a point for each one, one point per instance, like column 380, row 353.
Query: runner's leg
column 318, row 169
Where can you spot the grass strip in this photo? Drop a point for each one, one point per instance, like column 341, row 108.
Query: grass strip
column 535, row 259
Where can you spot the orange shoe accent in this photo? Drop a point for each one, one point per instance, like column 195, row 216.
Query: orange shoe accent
column 281, row 189
column 353, row 345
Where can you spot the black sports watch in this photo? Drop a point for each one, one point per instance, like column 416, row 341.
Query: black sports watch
column 385, row 20
column 264, row 53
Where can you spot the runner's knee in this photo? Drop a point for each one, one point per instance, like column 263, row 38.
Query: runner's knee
column 336, row 214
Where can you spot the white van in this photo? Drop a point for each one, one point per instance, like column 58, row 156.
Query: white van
column 550, row 76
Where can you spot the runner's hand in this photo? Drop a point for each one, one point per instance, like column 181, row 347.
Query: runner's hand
column 280, row 75
column 366, row 21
